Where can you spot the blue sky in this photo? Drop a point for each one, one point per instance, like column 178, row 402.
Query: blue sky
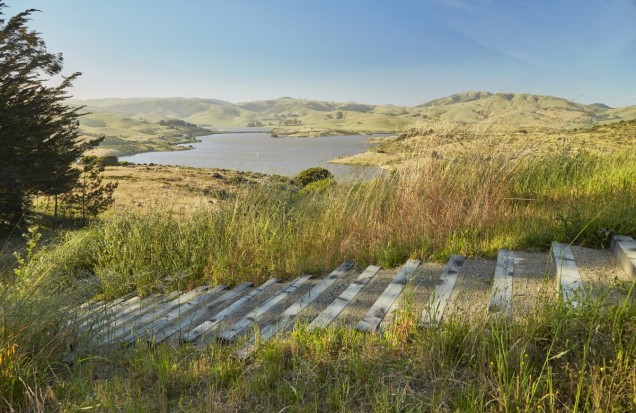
column 401, row 52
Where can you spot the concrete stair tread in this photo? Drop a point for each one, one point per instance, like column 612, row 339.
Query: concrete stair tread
column 140, row 323
column 321, row 314
column 386, row 301
column 601, row 273
column 624, row 249
column 423, row 284
column 268, row 311
column 245, row 300
column 473, row 289
column 182, row 325
column 359, row 306
column 244, row 310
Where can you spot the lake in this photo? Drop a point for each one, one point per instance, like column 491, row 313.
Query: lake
column 259, row 152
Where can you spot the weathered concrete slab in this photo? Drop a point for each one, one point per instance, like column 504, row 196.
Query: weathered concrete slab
column 254, row 315
column 380, row 308
column 501, row 298
column 213, row 323
column 443, row 291
column 336, row 307
column 624, row 249
column 568, row 278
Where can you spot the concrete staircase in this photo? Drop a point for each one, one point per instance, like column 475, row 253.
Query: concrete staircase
column 512, row 286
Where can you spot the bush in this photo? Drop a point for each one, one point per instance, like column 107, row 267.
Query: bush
column 318, row 186
column 109, row 160
column 310, row 175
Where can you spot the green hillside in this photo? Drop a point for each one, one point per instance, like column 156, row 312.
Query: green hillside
column 127, row 133
column 521, row 110
column 136, row 120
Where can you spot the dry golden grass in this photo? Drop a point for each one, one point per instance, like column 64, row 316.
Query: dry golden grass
column 182, row 189
column 451, row 140
column 472, row 203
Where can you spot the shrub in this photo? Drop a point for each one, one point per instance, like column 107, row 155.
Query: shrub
column 310, row 175
column 108, row 160
column 318, row 186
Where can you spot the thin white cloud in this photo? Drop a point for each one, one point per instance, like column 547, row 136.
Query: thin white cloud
column 632, row 97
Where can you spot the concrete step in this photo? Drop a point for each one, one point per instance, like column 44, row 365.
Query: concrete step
column 624, row 249
column 211, row 324
column 533, row 282
column 286, row 320
column 185, row 323
column 334, row 309
column 515, row 286
column 602, row 274
column 157, row 311
column 258, row 314
column 384, row 303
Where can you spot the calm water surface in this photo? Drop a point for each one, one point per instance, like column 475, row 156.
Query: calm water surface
column 258, row 152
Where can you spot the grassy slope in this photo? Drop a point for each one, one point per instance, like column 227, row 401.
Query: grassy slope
column 130, row 125
column 180, row 189
column 450, row 139
column 128, row 133
column 430, row 209
column 517, row 110
column 556, row 360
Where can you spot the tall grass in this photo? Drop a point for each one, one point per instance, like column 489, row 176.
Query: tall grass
column 558, row 359
column 33, row 340
column 472, row 204
column 432, row 208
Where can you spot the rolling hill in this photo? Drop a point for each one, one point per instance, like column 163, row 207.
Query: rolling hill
column 136, row 120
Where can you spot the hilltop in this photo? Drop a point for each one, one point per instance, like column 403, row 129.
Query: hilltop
column 522, row 110
column 135, row 121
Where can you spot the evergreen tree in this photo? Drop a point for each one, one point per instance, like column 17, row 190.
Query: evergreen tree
column 89, row 197
column 38, row 132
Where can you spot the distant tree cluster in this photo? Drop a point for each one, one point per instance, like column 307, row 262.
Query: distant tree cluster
column 39, row 133
column 175, row 122
column 187, row 129
column 337, row 115
column 290, row 122
column 100, row 161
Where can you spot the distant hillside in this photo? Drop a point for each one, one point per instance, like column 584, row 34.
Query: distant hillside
column 457, row 98
column 524, row 110
column 521, row 110
column 351, row 116
column 128, row 133
column 137, row 119
column 450, row 142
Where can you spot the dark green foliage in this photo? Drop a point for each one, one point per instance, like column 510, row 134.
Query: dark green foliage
column 109, row 160
column 89, row 197
column 38, row 132
column 318, row 186
column 310, row 175
column 186, row 128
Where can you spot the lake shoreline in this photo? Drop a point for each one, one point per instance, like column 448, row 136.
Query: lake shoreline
column 258, row 152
